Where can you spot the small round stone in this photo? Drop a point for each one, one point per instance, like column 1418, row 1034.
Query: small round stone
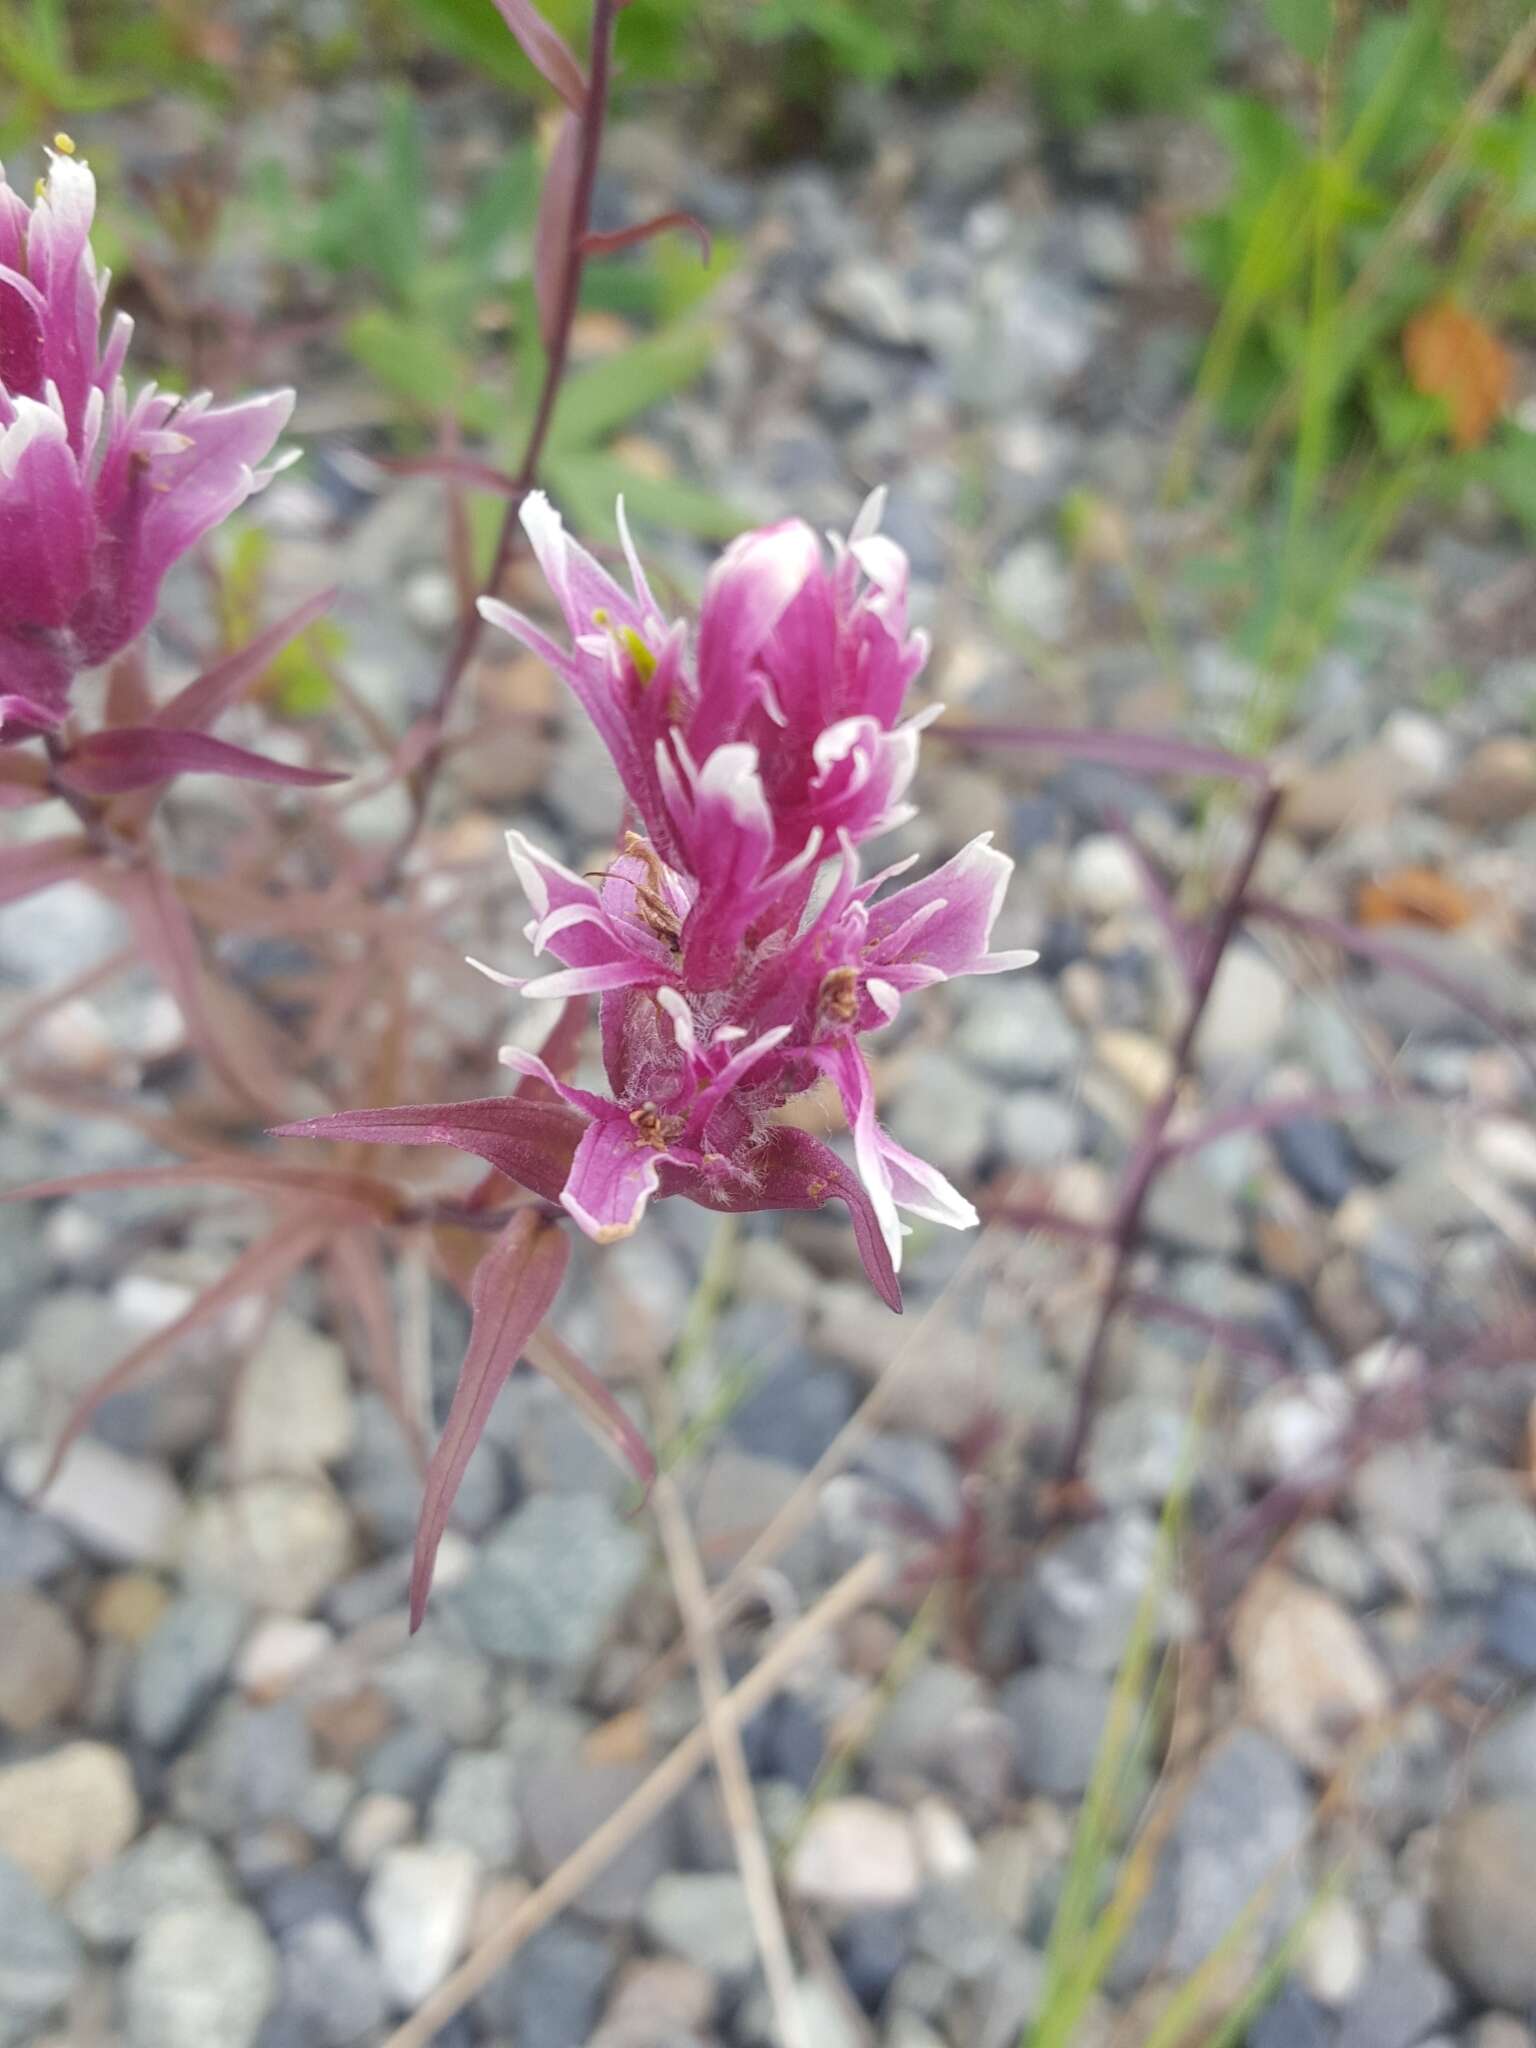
column 855, row 1853
column 1484, row 1916
column 42, row 1666
column 200, row 1977
column 67, row 1812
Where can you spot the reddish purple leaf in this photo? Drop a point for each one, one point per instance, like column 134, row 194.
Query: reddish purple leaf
column 262, row 1268
column 514, row 1287
column 207, row 696
column 1239, row 1338
column 1274, row 1114
column 1386, row 953
column 793, row 1170
column 375, row 1199
column 169, row 940
column 532, row 1143
column 26, row 869
column 139, row 756
column 1139, row 753
column 357, row 1268
column 610, row 244
column 546, row 50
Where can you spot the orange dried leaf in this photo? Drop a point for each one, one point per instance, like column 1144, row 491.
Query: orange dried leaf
column 1450, row 354
column 1418, row 896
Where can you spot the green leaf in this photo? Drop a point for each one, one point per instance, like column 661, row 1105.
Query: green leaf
column 597, row 401
column 1508, row 466
column 684, row 281
column 1403, row 90
column 474, row 31
column 1404, row 419
column 589, row 485
column 656, row 39
column 505, row 204
column 1264, row 145
column 415, row 362
column 1307, row 25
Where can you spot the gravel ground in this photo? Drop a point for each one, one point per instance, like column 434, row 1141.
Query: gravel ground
column 239, row 1808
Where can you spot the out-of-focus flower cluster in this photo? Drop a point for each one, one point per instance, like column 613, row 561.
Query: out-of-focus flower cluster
column 736, row 949
column 99, row 492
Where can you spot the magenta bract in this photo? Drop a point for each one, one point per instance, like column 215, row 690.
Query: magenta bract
column 736, row 951
column 99, row 493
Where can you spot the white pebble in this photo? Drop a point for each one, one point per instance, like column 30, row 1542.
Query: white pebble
column 855, row 1854
column 128, row 1510
column 1103, row 876
column 418, row 1908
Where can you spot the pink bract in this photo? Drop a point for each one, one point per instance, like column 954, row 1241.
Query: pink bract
column 736, row 952
column 99, row 493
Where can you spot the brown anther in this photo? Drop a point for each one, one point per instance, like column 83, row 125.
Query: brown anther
column 840, row 995
column 649, row 1128
column 650, row 896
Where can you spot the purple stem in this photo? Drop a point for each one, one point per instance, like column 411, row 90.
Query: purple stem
column 593, row 116
column 1146, row 1159
column 1237, row 1338
column 1185, row 939
column 1141, row 753
column 1275, row 1114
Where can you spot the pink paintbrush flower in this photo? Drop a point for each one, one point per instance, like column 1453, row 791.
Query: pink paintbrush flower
column 800, row 665
column 735, row 951
column 99, row 494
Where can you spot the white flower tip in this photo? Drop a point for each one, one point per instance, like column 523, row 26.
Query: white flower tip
column 600, row 1233
column 545, row 530
column 871, row 516
column 495, row 974
column 731, row 775
column 525, row 864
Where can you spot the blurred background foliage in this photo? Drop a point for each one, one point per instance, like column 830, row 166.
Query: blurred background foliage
column 1369, row 266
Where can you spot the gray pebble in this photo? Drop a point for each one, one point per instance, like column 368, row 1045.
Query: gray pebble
column 549, row 1584
column 181, row 1664
column 563, row 1802
column 169, row 1866
column 1058, row 1722
column 551, row 1993
column 703, row 1917
column 250, row 1766
column 1485, row 1885
column 476, row 1806
column 1504, row 1756
column 331, row 1981
column 40, row 1958
column 200, row 1977
column 944, row 1113
column 1246, row 1814
column 1401, row 2000
column 1082, row 1597
column 1016, row 1030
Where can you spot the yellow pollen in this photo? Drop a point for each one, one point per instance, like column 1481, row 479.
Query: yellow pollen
column 64, row 144
column 639, row 653
column 600, row 616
